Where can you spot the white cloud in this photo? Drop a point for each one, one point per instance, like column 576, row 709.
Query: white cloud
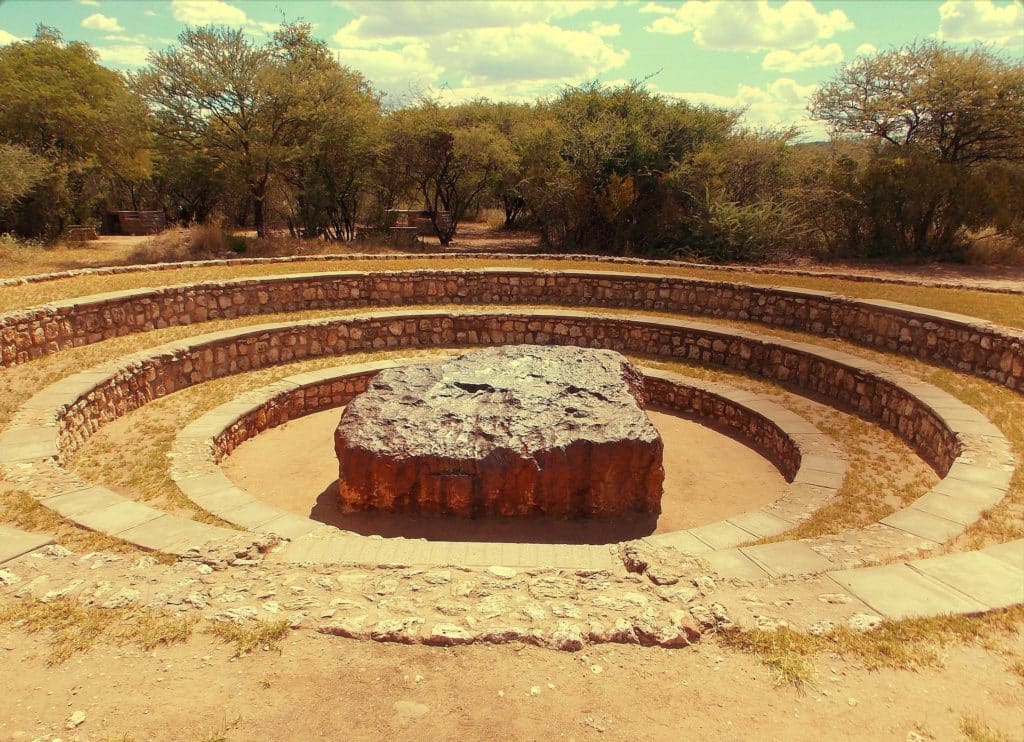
column 605, row 29
column 150, row 13
column 202, row 12
column 100, row 22
column 394, row 69
column 404, row 18
column 783, row 60
column 779, row 104
column 532, row 51
column 126, row 55
column 750, row 26
column 866, row 50
column 483, row 45
column 981, row 20
column 7, row 38
column 93, row 3
column 216, row 12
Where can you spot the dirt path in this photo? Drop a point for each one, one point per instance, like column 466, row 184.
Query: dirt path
column 329, row 688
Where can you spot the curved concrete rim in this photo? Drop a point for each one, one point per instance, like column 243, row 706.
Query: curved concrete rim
column 561, row 257
column 196, row 455
column 31, row 448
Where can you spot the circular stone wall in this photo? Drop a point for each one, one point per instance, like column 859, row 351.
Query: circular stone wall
column 516, row 430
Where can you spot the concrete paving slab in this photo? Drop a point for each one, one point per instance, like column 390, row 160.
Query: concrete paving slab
column 925, row 525
column 722, row 535
column 978, row 492
column 787, row 558
column 683, row 541
column 761, row 523
column 988, row 580
column 15, row 542
column 302, row 550
column 73, row 504
column 119, row 517
column 252, row 515
column 28, row 444
column 1008, row 551
column 827, row 479
column 161, row 534
column 733, row 564
column 220, row 502
column 950, row 508
column 289, row 525
column 896, row 591
column 996, row 477
column 817, row 462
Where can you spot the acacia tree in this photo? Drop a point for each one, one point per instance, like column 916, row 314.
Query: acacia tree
column 332, row 147
column 603, row 176
column 58, row 106
column 938, row 116
column 240, row 102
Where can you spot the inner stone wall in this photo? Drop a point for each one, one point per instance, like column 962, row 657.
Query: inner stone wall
column 661, row 393
column 849, row 383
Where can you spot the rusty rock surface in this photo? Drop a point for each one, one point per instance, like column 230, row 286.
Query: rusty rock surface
column 513, row 430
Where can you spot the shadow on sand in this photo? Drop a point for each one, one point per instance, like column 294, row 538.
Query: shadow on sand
column 539, row 530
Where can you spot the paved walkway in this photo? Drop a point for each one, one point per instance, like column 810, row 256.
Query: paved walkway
column 14, row 542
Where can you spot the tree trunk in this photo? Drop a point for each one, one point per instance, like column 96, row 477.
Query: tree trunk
column 257, row 215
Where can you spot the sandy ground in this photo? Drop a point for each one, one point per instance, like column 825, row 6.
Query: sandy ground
column 328, row 688
column 708, row 476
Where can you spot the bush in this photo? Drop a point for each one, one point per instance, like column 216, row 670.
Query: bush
column 758, row 232
column 199, row 242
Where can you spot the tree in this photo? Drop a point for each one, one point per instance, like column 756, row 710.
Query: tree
column 607, row 188
column 937, row 115
column 453, row 156
column 20, row 171
column 245, row 104
column 332, row 147
column 60, row 105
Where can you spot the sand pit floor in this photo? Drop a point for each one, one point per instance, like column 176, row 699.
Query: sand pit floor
column 708, row 476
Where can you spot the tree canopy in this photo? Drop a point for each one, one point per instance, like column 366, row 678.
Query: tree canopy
column 926, row 149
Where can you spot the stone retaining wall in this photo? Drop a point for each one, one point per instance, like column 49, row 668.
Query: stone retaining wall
column 964, row 343
column 850, row 383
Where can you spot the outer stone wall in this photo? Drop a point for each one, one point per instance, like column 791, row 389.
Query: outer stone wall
column 852, row 384
column 964, row 343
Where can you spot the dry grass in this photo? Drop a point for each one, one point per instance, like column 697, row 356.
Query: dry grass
column 994, row 248
column 71, row 627
column 904, row 645
column 250, row 635
column 976, row 729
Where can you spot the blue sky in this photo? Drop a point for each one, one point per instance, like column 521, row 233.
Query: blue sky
column 764, row 56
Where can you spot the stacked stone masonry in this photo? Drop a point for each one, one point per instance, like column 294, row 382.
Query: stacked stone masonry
column 964, row 343
column 942, row 428
column 861, row 387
